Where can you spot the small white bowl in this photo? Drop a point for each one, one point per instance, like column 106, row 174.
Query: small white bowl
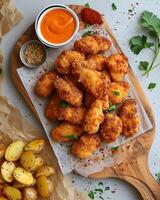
column 44, row 12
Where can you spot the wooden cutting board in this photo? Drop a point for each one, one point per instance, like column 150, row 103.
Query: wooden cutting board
column 134, row 167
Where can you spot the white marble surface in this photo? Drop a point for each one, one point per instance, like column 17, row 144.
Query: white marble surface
column 124, row 28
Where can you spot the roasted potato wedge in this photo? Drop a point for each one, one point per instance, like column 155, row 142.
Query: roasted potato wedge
column 38, row 163
column 2, row 198
column 12, row 193
column 30, row 193
column 28, row 160
column 19, row 185
column 23, row 176
column 7, row 169
column 45, row 170
column 14, row 150
column 2, row 150
column 44, row 186
column 35, row 145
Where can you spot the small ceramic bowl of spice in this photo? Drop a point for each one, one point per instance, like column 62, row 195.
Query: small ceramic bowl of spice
column 33, row 54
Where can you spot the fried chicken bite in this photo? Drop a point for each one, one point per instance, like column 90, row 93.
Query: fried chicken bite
column 66, row 132
column 117, row 66
column 45, row 85
column 118, row 92
column 85, row 146
column 65, row 59
column 96, row 83
column 92, row 44
column 111, row 128
column 94, row 117
column 68, row 91
column 129, row 116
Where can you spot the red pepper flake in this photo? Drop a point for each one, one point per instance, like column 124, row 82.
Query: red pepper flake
column 91, row 16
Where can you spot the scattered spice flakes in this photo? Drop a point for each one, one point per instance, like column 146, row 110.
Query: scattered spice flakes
column 100, row 183
column 131, row 10
column 107, row 188
column 91, row 194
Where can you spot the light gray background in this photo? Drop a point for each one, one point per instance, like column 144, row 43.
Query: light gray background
column 124, row 28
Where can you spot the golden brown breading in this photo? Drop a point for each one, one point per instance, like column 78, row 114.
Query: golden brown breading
column 118, row 92
column 92, row 44
column 111, row 128
column 45, row 85
column 94, row 117
column 68, row 91
column 66, row 132
column 117, row 66
column 95, row 82
column 129, row 116
column 85, row 146
column 89, row 99
column 65, row 59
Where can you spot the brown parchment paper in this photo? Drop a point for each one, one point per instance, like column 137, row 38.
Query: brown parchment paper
column 14, row 126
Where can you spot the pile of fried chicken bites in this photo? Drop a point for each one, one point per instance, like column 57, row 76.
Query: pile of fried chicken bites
column 83, row 86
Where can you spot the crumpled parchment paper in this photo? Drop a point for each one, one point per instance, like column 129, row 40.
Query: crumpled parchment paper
column 14, row 126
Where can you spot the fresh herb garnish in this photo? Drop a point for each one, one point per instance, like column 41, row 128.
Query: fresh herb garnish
column 91, row 194
column 71, row 137
column 100, row 183
column 63, row 104
column 143, row 65
column 152, row 24
column 116, row 93
column 101, row 197
column 99, row 190
column 114, row 7
column 89, row 33
column 130, row 10
column 87, row 5
column 115, row 148
column 107, row 188
column 151, row 86
column 112, row 108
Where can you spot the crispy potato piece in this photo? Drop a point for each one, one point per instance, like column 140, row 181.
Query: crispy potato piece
column 28, row 160
column 96, row 83
column 38, row 163
column 2, row 198
column 45, row 85
column 18, row 185
column 111, row 128
column 14, row 150
column 44, row 186
column 45, row 170
column 2, row 150
column 85, row 146
column 35, row 146
column 68, row 92
column 7, row 169
column 117, row 66
column 30, row 193
column 94, row 117
column 66, row 132
column 12, row 193
column 92, row 44
column 23, row 176
column 118, row 92
column 129, row 116
column 65, row 59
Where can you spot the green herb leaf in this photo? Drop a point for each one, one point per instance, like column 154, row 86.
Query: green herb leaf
column 114, row 7
column 143, row 65
column 151, row 86
column 99, row 190
column 91, row 194
column 112, row 108
column 101, row 197
column 115, row 148
column 107, row 188
column 100, row 183
column 71, row 137
column 137, row 43
column 89, row 33
column 87, row 5
column 130, row 10
column 116, row 93
column 64, row 104
column 158, row 176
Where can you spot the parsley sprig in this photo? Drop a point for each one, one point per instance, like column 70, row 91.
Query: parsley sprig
column 151, row 23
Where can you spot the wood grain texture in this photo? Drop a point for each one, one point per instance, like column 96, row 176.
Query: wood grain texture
column 134, row 166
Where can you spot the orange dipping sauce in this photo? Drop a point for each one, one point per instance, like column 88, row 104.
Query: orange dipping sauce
column 57, row 26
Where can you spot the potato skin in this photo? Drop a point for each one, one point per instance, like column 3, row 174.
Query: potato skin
column 45, row 85
column 27, row 160
column 45, row 170
column 117, row 66
column 7, row 169
column 92, row 44
column 111, row 128
column 65, row 59
column 68, row 92
column 30, row 193
column 35, row 146
column 60, row 133
column 118, row 92
column 94, row 117
column 129, row 116
column 85, row 146
column 12, row 193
